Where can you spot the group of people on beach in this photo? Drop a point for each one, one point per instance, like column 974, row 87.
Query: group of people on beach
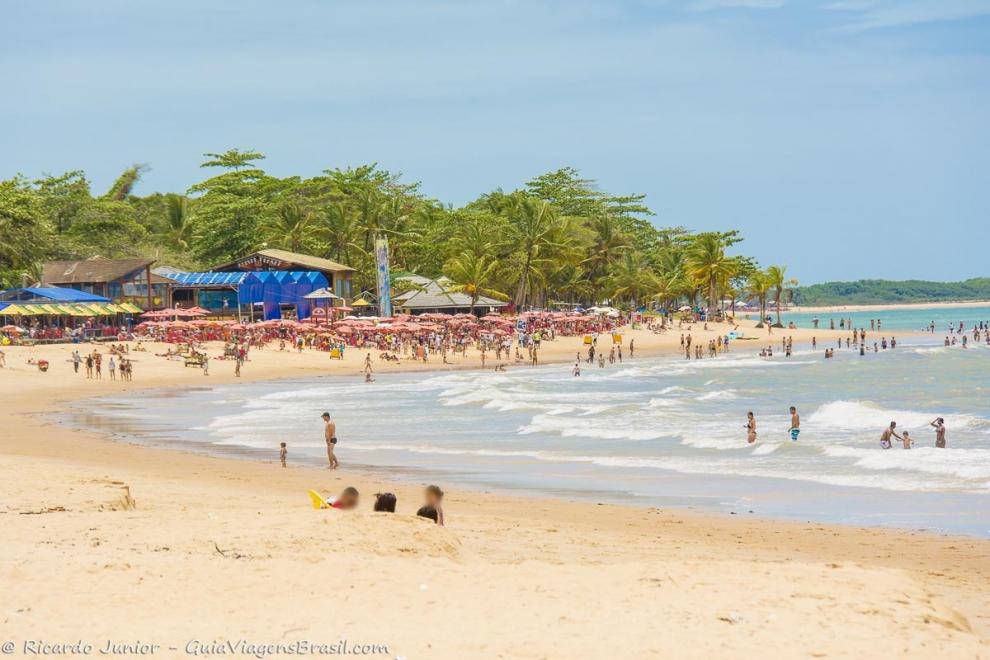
column 432, row 508
column 92, row 362
column 350, row 498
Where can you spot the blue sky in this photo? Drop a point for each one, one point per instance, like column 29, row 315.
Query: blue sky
column 845, row 138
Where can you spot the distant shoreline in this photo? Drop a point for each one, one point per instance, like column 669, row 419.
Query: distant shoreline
column 886, row 306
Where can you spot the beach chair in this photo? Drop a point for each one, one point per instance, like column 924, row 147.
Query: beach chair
column 194, row 361
column 317, row 500
column 335, row 354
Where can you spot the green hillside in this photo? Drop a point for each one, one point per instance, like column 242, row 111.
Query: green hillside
column 874, row 292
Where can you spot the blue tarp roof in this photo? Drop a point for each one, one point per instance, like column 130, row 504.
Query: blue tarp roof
column 208, row 278
column 49, row 293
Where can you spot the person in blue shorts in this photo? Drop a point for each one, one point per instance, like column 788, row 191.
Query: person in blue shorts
column 795, row 424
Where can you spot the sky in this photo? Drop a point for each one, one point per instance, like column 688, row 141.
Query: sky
column 846, row 139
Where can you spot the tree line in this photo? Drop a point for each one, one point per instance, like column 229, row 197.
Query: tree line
column 871, row 292
column 558, row 239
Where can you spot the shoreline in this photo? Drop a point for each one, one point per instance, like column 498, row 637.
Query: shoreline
column 117, row 430
column 180, row 530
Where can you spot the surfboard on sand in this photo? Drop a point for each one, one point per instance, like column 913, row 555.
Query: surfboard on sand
column 317, row 500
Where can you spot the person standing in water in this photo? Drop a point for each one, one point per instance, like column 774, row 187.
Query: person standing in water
column 886, row 435
column 330, row 435
column 750, row 428
column 939, row 426
column 795, row 424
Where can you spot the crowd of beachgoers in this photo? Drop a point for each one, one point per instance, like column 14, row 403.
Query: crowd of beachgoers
column 501, row 339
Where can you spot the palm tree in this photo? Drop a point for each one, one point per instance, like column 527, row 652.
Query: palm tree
column 292, row 227
column 340, row 231
column 780, row 285
column 534, row 221
column 607, row 244
column 179, row 229
column 707, row 264
column 632, row 279
column 759, row 285
column 473, row 275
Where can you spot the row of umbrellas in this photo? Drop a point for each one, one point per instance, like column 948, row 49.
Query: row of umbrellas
column 177, row 312
column 66, row 309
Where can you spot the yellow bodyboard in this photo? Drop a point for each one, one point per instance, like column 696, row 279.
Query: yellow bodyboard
column 317, row 500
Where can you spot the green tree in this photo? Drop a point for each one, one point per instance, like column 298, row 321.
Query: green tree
column 292, row 227
column 781, row 286
column 709, row 267
column 230, row 207
column 533, row 223
column 475, row 276
column 179, row 229
column 759, row 286
column 632, row 281
column 24, row 232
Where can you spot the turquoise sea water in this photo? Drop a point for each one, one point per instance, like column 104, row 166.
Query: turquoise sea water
column 914, row 319
column 651, row 431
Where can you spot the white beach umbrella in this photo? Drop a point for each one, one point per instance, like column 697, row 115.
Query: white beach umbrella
column 322, row 294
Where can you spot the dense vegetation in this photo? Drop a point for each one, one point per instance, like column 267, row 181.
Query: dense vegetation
column 558, row 239
column 871, row 292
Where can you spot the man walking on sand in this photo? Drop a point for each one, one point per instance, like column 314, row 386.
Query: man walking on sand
column 330, row 435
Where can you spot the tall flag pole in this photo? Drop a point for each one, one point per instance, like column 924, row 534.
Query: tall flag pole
column 384, row 277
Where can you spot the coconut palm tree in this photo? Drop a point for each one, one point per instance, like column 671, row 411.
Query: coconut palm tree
column 632, row 279
column 707, row 265
column 759, row 285
column 607, row 244
column 473, row 275
column 340, row 232
column 534, row 222
column 781, row 286
column 179, row 229
column 292, row 227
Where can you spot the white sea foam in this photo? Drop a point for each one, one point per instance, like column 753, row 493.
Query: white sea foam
column 718, row 395
column 866, row 415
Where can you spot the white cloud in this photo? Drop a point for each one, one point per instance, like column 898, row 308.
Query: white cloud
column 917, row 12
column 711, row 5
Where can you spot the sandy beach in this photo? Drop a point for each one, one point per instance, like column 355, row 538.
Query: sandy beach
column 112, row 541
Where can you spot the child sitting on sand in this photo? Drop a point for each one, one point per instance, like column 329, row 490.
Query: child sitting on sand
column 385, row 502
column 348, row 499
column 434, row 500
column 428, row 511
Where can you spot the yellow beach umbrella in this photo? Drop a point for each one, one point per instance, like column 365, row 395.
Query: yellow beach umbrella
column 360, row 302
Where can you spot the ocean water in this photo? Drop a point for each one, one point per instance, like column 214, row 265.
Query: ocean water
column 914, row 319
column 657, row 432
